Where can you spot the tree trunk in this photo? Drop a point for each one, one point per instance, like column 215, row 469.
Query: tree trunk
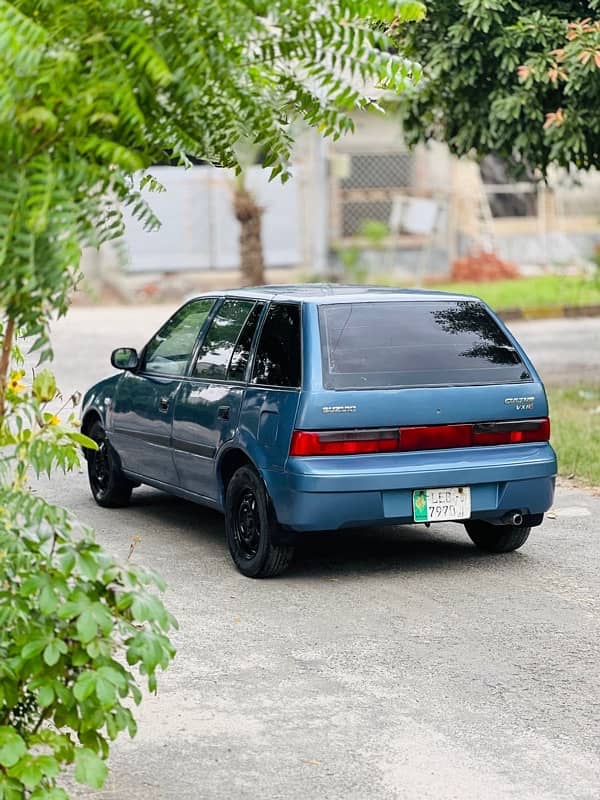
column 249, row 214
column 7, row 343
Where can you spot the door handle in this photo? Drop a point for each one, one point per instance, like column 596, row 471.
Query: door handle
column 223, row 412
column 163, row 404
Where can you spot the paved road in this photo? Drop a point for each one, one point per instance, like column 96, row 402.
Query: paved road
column 562, row 350
column 395, row 663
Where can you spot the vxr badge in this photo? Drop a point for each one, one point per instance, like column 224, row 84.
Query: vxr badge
column 520, row 403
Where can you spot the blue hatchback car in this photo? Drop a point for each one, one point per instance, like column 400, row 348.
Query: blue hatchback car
column 311, row 408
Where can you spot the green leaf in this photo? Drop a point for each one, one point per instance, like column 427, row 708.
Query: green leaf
column 48, row 600
column 45, row 695
column 66, row 561
column 93, row 649
column 85, row 685
column 89, row 768
column 113, row 675
column 28, row 770
column 83, row 440
column 103, row 617
column 88, row 564
column 33, row 648
column 10, row 788
column 52, row 653
column 32, row 585
column 52, row 793
column 87, row 627
column 106, row 693
column 79, row 656
column 12, row 746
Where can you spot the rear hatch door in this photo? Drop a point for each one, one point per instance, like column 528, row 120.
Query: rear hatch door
column 417, row 362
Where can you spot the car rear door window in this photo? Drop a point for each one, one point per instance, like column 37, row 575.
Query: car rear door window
column 241, row 354
column 414, row 343
column 169, row 352
column 221, row 339
column 278, row 356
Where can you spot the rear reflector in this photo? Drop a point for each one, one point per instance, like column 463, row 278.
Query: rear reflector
column 429, row 437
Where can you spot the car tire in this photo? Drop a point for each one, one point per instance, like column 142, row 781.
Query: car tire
column 252, row 529
column 497, row 538
column 110, row 488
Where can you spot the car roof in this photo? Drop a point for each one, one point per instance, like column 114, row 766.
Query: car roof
column 334, row 293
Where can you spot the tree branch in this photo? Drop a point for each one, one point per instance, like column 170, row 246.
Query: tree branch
column 7, row 343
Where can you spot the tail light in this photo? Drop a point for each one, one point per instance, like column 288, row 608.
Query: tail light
column 531, row 430
column 338, row 443
column 426, row 437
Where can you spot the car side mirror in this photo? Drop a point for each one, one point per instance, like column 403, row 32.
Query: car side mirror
column 124, row 358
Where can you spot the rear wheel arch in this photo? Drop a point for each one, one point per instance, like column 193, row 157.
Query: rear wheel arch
column 251, row 528
column 229, row 463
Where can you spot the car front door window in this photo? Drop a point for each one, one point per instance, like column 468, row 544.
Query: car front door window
column 221, row 339
column 169, row 352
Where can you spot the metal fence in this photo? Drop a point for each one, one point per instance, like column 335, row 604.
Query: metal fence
column 367, row 188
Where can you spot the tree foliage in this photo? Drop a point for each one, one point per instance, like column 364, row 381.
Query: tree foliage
column 94, row 92
column 518, row 80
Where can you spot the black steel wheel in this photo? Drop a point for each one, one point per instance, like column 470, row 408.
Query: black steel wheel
column 110, row 488
column 246, row 525
column 251, row 528
column 497, row 538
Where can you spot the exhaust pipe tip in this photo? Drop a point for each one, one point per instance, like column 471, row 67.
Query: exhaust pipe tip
column 517, row 519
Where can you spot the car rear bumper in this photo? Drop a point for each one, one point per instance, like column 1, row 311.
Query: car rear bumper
column 329, row 493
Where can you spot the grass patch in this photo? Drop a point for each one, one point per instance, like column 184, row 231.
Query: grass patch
column 575, row 416
column 541, row 291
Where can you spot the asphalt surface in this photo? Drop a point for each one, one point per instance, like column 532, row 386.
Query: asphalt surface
column 389, row 663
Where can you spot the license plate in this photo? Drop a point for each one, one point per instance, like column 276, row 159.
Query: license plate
column 439, row 505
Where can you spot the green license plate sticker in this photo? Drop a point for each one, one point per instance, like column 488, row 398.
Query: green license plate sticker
column 442, row 505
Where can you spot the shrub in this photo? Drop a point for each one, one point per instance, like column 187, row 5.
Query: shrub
column 73, row 622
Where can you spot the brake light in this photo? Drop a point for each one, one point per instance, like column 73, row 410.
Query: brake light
column 424, row 437
column 338, row 443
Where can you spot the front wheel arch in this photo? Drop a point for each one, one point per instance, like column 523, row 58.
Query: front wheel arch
column 90, row 417
column 109, row 486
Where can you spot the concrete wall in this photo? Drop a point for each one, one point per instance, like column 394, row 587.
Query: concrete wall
column 199, row 231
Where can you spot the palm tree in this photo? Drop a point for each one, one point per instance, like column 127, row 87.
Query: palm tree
column 249, row 214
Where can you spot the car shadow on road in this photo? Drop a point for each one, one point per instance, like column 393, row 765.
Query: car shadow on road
column 169, row 512
column 391, row 549
column 385, row 549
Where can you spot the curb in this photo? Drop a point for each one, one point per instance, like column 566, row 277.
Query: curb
column 548, row 312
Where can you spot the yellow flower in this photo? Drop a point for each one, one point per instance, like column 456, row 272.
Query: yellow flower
column 15, row 383
column 54, row 420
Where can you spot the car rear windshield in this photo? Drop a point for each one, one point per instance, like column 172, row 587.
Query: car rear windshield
column 414, row 343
